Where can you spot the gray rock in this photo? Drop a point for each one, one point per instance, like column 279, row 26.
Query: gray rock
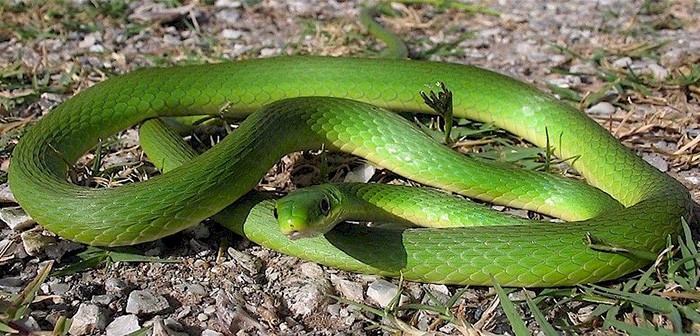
column 348, row 289
column 423, row 320
column 228, row 3
column 115, row 286
column 161, row 328
column 231, row 34
column 436, row 288
column 11, row 250
column 35, row 243
column 695, row 180
column 172, row 40
column 145, row 302
column 520, row 295
column 660, row 73
column 209, row 332
column 334, row 309
column 448, row 329
column 567, row 81
column 583, row 68
column 312, row 271
column 363, row 173
column 104, row 299
column 209, row 310
column 623, row 62
column 48, row 101
column 129, row 138
column 382, row 292
column 123, row 325
column 305, row 299
column 441, row 292
column 585, row 313
column 16, row 218
column 602, row 108
column 150, row 12
column 308, row 293
column 196, row 289
column 186, row 310
column 89, row 319
column 524, row 48
column 268, row 52
column 173, row 324
column 251, row 263
column 230, row 16
column 656, row 160
column 88, row 41
column 11, row 282
column 97, row 48
column 29, row 324
column 666, row 146
column 6, row 195
column 342, row 315
column 60, row 248
column 59, row 288
column 302, row 8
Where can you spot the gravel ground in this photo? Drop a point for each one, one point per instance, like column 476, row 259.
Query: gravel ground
column 223, row 284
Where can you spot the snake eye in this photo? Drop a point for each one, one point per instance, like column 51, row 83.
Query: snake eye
column 274, row 213
column 325, row 206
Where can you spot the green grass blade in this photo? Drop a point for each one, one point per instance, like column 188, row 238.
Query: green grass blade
column 61, row 327
column 516, row 322
column 639, row 331
column 141, row 332
column 375, row 311
column 453, row 299
column 565, row 93
column 690, row 313
column 545, row 327
column 20, row 305
column 651, row 302
column 93, row 257
column 4, row 328
column 644, row 280
column 610, row 316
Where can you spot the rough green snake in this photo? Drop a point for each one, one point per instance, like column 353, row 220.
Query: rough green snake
column 538, row 254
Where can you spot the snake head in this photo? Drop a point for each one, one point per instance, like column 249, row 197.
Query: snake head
column 308, row 212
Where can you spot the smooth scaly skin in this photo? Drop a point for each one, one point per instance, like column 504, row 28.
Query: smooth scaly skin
column 301, row 213
column 537, row 255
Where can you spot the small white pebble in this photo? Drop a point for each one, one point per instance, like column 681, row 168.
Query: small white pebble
column 16, row 218
column 382, row 292
column 660, row 73
column 97, row 48
column 231, row 34
column 602, row 108
column 209, row 332
column 623, row 62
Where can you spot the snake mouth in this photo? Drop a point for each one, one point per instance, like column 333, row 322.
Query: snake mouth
column 296, row 235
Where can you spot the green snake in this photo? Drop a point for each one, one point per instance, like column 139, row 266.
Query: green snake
column 295, row 111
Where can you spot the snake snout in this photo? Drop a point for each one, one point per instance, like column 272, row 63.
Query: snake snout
column 294, row 235
column 299, row 234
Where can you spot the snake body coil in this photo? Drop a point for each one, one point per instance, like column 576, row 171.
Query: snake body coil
column 522, row 255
